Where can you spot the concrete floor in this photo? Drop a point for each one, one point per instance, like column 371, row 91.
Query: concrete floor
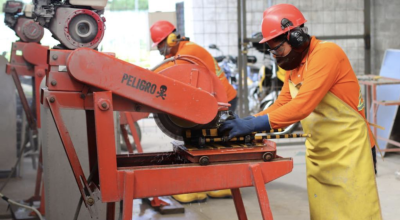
column 287, row 195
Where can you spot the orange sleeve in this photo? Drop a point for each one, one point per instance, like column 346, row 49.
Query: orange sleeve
column 283, row 98
column 321, row 75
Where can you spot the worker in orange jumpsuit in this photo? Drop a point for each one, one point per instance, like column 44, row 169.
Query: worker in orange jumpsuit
column 170, row 44
column 320, row 90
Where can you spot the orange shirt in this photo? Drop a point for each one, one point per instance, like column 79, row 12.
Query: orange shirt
column 328, row 70
column 192, row 49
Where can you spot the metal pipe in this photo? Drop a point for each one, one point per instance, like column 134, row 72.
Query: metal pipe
column 244, row 59
column 239, row 60
column 367, row 36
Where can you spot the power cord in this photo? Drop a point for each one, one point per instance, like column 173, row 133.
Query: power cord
column 9, row 201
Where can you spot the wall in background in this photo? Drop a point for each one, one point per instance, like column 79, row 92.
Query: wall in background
column 216, row 22
column 385, row 30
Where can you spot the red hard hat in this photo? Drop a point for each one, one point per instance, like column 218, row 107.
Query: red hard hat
column 279, row 19
column 160, row 30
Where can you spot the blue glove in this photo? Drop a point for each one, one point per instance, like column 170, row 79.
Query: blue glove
column 248, row 117
column 247, row 125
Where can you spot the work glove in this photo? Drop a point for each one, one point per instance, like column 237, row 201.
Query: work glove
column 248, row 117
column 244, row 126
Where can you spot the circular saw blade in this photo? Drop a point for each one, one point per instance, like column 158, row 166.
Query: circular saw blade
column 175, row 127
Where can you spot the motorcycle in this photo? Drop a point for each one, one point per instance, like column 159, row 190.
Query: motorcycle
column 229, row 66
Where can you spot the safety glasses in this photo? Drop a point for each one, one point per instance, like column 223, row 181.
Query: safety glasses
column 276, row 50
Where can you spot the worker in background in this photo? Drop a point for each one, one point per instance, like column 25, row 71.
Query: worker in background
column 320, row 90
column 170, row 44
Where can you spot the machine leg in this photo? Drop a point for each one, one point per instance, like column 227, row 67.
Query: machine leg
column 42, row 202
column 73, row 159
column 92, row 145
column 124, row 133
column 36, row 196
column 128, row 196
column 258, row 182
column 134, row 132
column 237, row 199
column 110, row 211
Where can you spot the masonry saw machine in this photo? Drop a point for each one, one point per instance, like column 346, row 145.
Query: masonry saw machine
column 187, row 100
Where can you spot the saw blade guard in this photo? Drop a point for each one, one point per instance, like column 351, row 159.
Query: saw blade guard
column 206, row 80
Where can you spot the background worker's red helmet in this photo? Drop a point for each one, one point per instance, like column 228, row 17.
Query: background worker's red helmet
column 160, row 30
column 279, row 19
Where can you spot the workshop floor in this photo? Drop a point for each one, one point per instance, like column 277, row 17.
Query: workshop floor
column 287, row 195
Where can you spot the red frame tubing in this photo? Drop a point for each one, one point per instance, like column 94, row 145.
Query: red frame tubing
column 259, row 185
column 124, row 134
column 237, row 200
column 105, row 138
column 39, row 175
column 128, row 195
column 24, row 102
column 110, row 211
column 70, row 151
column 135, row 135
column 32, row 54
column 92, row 146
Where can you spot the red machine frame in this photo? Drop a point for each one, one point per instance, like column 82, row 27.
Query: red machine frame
column 30, row 59
column 126, row 177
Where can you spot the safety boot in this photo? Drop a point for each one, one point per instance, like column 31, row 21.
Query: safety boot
column 190, row 197
column 225, row 193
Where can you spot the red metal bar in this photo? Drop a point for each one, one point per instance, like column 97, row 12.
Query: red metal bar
column 237, row 199
column 39, row 175
column 24, row 56
column 70, row 151
column 134, row 132
column 24, row 102
column 42, row 206
column 73, row 100
column 156, row 202
column 259, row 184
column 128, row 195
column 386, row 103
column 105, row 138
column 194, row 178
column 395, row 143
column 110, row 215
column 92, row 150
column 124, row 134
column 368, row 104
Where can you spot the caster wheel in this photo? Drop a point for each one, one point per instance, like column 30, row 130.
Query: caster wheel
column 267, row 156
column 204, row 160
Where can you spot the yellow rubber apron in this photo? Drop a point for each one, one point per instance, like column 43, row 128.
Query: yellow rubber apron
column 340, row 174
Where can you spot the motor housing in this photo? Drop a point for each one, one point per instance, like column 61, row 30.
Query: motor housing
column 76, row 28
